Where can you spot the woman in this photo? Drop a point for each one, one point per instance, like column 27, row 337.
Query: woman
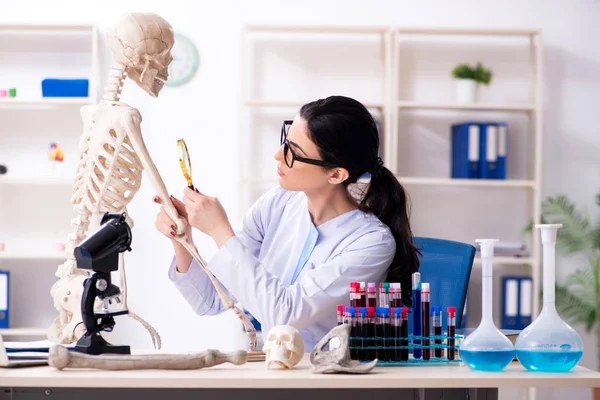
column 303, row 242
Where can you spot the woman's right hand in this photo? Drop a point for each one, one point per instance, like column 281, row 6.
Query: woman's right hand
column 165, row 225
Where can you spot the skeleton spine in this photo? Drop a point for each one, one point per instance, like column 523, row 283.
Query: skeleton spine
column 80, row 224
column 114, row 83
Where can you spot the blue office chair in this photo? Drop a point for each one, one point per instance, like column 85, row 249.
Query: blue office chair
column 446, row 265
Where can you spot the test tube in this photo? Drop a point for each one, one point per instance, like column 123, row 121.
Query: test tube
column 352, row 322
column 404, row 335
column 362, row 295
column 397, row 332
column 397, row 297
column 425, row 304
column 353, row 294
column 436, row 313
column 451, row 331
column 417, row 324
column 361, row 326
column 381, row 332
column 340, row 315
column 371, row 295
column 392, row 297
column 370, row 334
column 384, row 290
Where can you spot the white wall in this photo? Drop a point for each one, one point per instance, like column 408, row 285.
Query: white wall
column 205, row 112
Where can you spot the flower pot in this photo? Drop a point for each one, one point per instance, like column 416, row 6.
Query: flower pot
column 466, row 91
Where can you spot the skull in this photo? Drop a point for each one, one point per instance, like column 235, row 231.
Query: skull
column 284, row 346
column 142, row 42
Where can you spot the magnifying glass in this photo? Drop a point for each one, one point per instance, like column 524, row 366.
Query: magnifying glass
column 185, row 163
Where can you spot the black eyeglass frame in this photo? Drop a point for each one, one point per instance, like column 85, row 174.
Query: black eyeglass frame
column 286, row 147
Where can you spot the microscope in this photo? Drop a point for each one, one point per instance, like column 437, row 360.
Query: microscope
column 100, row 253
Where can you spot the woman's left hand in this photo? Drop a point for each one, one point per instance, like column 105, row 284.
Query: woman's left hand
column 207, row 215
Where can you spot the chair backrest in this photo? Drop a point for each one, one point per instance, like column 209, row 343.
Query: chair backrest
column 446, row 265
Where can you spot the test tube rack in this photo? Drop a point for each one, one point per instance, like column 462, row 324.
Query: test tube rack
column 387, row 350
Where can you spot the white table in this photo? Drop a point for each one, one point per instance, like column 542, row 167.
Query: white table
column 254, row 381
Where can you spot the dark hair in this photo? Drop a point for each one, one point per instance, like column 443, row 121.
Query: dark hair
column 346, row 134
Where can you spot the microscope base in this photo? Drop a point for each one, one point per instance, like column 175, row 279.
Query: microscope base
column 96, row 345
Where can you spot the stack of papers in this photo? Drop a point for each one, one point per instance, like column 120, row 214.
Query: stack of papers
column 38, row 346
column 28, row 350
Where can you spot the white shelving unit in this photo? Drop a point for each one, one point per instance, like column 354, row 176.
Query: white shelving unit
column 391, row 105
column 529, row 105
column 35, row 194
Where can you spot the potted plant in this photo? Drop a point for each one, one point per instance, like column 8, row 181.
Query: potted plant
column 468, row 79
column 578, row 299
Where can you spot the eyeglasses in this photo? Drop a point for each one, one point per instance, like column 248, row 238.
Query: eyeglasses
column 290, row 156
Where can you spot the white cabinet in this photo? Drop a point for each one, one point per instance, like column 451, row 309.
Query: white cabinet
column 35, row 193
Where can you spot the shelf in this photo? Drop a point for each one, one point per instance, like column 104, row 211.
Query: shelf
column 507, row 260
column 316, row 29
column 471, row 107
column 46, row 27
column 507, row 183
column 24, row 332
column 461, row 31
column 10, row 102
column 36, row 180
column 21, row 254
column 289, row 103
column 501, row 183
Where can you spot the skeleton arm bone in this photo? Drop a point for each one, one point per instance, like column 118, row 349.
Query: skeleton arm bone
column 131, row 121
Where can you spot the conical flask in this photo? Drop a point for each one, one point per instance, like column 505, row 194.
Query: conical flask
column 486, row 349
column 548, row 344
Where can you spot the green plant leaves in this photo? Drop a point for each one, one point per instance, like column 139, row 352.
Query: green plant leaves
column 479, row 73
column 576, row 234
column 573, row 309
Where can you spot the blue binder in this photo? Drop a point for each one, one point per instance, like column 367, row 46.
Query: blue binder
column 510, row 302
column 517, row 302
column 4, row 298
column 502, row 148
column 488, row 156
column 525, row 302
column 465, row 151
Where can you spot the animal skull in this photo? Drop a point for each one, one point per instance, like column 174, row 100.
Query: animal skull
column 337, row 359
column 143, row 44
column 284, row 346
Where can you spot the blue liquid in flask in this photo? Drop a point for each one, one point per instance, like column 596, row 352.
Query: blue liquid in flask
column 487, row 360
column 549, row 361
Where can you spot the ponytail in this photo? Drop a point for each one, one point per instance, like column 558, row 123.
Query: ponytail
column 386, row 198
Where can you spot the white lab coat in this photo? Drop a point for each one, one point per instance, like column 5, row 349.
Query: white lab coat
column 256, row 266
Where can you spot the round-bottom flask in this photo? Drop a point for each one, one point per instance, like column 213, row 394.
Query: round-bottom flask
column 486, row 349
column 549, row 344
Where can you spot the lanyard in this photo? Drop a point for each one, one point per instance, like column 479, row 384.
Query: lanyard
column 309, row 246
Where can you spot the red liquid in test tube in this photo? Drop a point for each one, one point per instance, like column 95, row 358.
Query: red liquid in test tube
column 354, row 294
column 371, row 295
column 362, row 295
column 451, row 331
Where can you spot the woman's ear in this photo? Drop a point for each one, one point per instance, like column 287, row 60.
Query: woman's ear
column 338, row 175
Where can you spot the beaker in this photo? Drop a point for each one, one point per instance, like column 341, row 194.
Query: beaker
column 486, row 349
column 548, row 344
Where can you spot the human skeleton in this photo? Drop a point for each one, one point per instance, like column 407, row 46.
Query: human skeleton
column 112, row 158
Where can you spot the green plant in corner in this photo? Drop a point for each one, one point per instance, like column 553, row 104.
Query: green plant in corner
column 578, row 299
